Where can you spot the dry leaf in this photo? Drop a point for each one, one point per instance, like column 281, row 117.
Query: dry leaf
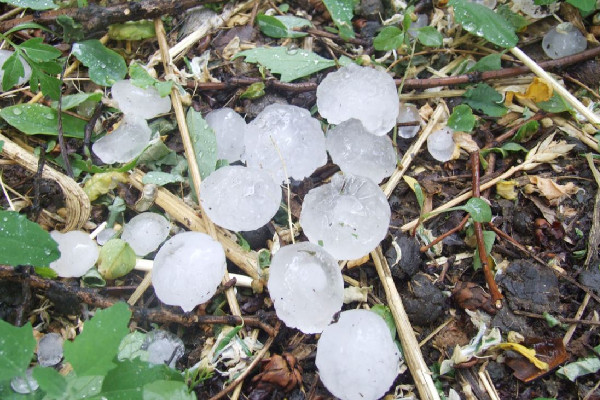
column 551, row 190
column 506, row 189
column 465, row 141
column 546, row 151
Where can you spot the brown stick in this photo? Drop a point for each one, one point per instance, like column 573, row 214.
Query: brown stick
column 446, row 234
column 563, row 320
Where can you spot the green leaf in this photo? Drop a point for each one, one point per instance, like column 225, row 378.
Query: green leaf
column 26, row 25
column 585, row 6
column 526, row 131
column 141, row 78
column 485, row 99
column 82, row 387
column 489, row 238
column 479, row 209
column 93, row 352
column 93, row 278
column 556, row 104
column 389, row 38
column 385, row 313
column 104, row 65
column 430, row 36
column 517, row 21
column 132, row 30
column 49, row 85
column 13, row 70
column 491, row 62
column 583, row 366
column 72, row 30
column 225, row 341
column 254, row 91
column 38, row 51
column 282, row 26
column 161, row 178
column 33, row 4
column 160, row 390
column 116, row 259
column 264, row 258
column 16, row 349
column 505, row 149
column 291, row 64
column 73, row 100
column 481, row 21
column 33, row 119
column 46, row 272
column 23, row 242
column 50, row 381
column 462, row 119
column 204, row 142
column 341, row 12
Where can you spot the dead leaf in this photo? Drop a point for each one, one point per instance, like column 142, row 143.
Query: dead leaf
column 550, row 351
column 506, row 189
column 281, row 371
column 551, row 190
column 465, row 141
column 537, row 91
column 471, row 296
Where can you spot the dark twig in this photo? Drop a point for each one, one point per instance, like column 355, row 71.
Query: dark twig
column 26, row 302
column 446, row 234
column 61, row 133
column 562, row 320
column 37, row 181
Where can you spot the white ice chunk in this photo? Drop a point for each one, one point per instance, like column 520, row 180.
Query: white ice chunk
column 563, row 40
column 145, row 232
column 348, row 216
column 291, row 132
column 528, row 7
column 142, row 103
column 358, row 152
column 363, row 93
column 4, row 55
column 306, row 285
column 408, row 113
column 229, row 129
column 240, row 198
column 50, row 349
column 441, row 144
column 421, row 22
column 356, row 356
column 125, row 143
column 78, row 253
column 163, row 347
column 24, row 385
column 105, row 235
column 187, row 270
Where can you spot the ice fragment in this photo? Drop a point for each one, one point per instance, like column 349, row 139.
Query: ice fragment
column 358, row 152
column 306, row 286
column 50, row 350
column 229, row 129
column 24, row 385
column 408, row 113
column 142, row 103
column 78, row 253
column 4, row 55
column 125, row 143
column 441, row 144
column 163, row 347
column 348, row 216
column 563, row 40
column 105, row 236
column 145, row 232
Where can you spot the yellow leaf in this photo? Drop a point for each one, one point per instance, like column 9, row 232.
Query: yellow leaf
column 538, row 90
column 525, row 352
column 410, row 181
column 506, row 189
column 102, row 182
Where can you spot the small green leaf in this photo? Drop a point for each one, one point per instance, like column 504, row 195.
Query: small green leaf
column 485, row 99
column 46, row 272
column 489, row 238
column 73, row 100
column 132, row 30
column 13, row 70
column 479, row 209
column 430, row 36
column 33, row 119
column 1, row 145
column 583, row 366
column 342, row 12
column 491, row 62
column 481, row 21
column 291, row 64
column 33, row 4
column 585, row 6
column 526, row 131
column 462, row 119
column 556, row 104
column 116, row 259
column 50, row 381
column 254, row 91
column 139, row 76
column 517, row 21
column 38, row 51
column 204, row 142
column 389, row 38
column 242, row 242
column 93, row 278
column 16, row 349
column 385, row 313
column 40, row 78
column 72, row 30
column 161, row 178
column 282, row 26
column 225, row 341
column 264, row 258
column 23, row 242
column 104, row 65
column 26, row 25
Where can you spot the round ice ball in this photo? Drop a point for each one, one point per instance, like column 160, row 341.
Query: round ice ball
column 188, row 269
column 408, row 113
column 145, row 232
column 78, row 253
column 358, row 152
column 563, row 40
column 440, row 144
column 348, row 216
column 283, row 134
column 229, row 129
column 306, row 285
column 240, row 198
column 125, row 143
column 363, row 93
column 4, row 55
column 143, row 103
column 356, row 356
column 50, row 349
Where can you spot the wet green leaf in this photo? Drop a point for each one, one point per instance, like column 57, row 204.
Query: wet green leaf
column 342, row 12
column 525, row 132
column 517, row 21
column 172, row 390
column 485, row 99
column 430, row 36
column 33, row 119
column 116, row 259
column 479, row 209
column 556, row 104
column 72, row 30
column 16, row 349
column 13, row 70
column 264, row 258
column 161, row 178
column 385, row 313
column 105, row 66
column 491, row 62
column 204, row 142
column 462, row 119
column 141, row 78
column 389, row 38
column 282, row 26
column 483, row 22
column 50, row 381
column 132, row 30
column 33, row 4
column 39, row 51
column 585, row 6
column 254, row 91
column 73, row 100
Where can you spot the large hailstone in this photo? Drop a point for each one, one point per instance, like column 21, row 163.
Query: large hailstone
column 440, row 144
column 356, row 356
column 142, row 103
column 358, row 152
column 145, row 232
column 4, row 55
column 563, row 40
column 229, row 129
column 78, row 253
column 285, row 132
column 188, row 269
column 240, row 198
column 306, row 285
column 125, row 143
column 348, row 216
column 408, row 113
column 363, row 93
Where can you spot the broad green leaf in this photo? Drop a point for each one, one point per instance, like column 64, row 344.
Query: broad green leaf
column 585, row 6
column 385, row 313
column 517, row 21
column 38, row 51
column 116, row 259
column 40, row 79
column 72, row 30
column 429, row 36
column 556, row 104
column 485, row 99
column 526, row 131
column 104, row 65
column 16, row 349
column 33, row 119
column 160, row 390
column 341, row 12
column 33, row 4
column 93, row 352
column 50, row 381
column 462, row 119
column 23, row 242
column 131, row 347
column 82, row 387
column 132, row 30
column 282, row 26
column 583, row 366
column 141, row 78
column 73, row 100
column 491, row 62
column 489, row 237
column 161, row 178
column 481, row 21
column 254, row 91
column 26, row 25
column 479, row 209
column 13, row 70
column 204, row 142
column 291, row 64
column 389, row 38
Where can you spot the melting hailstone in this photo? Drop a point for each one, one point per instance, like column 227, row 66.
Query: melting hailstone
column 563, row 40
column 26, row 384
column 408, row 113
column 306, row 285
column 125, row 143
column 229, row 129
column 240, row 198
column 363, row 93
column 358, row 152
column 4, row 55
column 163, row 347
column 142, row 103
column 348, row 216
column 285, row 132
column 145, row 232
column 356, row 356
column 78, row 253
column 187, row 270
column 50, row 349
column 441, row 144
